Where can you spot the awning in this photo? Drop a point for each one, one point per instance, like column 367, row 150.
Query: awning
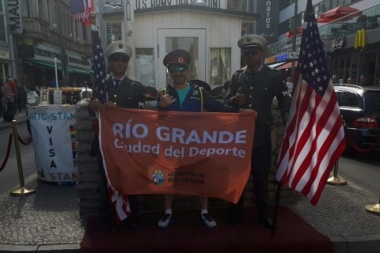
column 339, row 12
column 77, row 70
column 287, row 65
column 41, row 63
column 50, row 65
column 274, row 65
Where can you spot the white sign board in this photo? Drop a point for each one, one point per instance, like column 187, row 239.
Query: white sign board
column 50, row 126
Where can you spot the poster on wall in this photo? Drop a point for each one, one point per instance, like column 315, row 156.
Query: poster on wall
column 53, row 142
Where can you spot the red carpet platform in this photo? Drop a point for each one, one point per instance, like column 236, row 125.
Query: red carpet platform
column 187, row 234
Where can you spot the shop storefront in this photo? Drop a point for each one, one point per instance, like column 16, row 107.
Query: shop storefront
column 38, row 65
column 4, row 63
column 347, row 60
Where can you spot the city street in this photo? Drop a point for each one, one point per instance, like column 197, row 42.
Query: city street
column 362, row 170
column 9, row 177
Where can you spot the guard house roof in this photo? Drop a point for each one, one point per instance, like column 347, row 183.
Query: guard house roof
column 249, row 16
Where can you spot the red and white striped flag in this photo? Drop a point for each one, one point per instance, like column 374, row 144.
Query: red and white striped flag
column 118, row 199
column 80, row 9
column 314, row 138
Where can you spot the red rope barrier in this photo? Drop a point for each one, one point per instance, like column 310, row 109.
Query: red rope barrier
column 7, row 154
column 362, row 150
column 26, row 142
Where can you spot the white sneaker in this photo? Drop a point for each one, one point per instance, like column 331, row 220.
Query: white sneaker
column 165, row 221
column 207, row 220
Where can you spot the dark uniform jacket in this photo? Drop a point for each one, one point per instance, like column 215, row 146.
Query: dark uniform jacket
column 260, row 88
column 129, row 93
column 197, row 99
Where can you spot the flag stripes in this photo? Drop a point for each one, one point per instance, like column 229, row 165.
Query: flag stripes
column 314, row 138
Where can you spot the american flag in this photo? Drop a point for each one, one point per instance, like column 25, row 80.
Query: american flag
column 99, row 66
column 80, row 9
column 314, row 138
column 118, row 199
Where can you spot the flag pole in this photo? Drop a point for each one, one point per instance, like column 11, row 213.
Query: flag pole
column 275, row 210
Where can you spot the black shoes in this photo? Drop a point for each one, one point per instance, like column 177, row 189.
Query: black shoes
column 268, row 223
column 234, row 216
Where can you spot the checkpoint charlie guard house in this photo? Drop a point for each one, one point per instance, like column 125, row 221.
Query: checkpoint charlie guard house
column 209, row 30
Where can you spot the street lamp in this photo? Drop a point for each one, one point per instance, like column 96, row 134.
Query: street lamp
column 58, row 28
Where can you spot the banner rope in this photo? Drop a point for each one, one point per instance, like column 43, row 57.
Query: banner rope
column 8, row 151
column 26, row 142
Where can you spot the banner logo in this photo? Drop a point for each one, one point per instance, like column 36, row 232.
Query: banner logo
column 158, row 177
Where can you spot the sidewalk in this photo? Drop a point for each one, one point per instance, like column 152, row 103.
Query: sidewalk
column 20, row 117
column 49, row 219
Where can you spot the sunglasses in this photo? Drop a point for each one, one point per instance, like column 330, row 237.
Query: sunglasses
column 251, row 53
column 123, row 59
column 177, row 69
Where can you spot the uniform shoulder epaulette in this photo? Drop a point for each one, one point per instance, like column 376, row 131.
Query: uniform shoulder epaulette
column 272, row 69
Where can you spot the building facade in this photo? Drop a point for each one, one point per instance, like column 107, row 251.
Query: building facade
column 43, row 37
column 339, row 22
column 209, row 30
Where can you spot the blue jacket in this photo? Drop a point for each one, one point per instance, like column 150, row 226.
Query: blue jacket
column 196, row 100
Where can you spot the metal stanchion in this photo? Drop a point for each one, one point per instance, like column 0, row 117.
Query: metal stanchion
column 335, row 180
column 22, row 190
column 375, row 209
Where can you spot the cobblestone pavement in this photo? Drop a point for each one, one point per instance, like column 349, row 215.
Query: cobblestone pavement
column 47, row 219
column 341, row 215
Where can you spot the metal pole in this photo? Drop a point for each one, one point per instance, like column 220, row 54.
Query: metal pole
column 21, row 190
column 294, row 35
column 335, row 180
column 62, row 43
column 374, row 209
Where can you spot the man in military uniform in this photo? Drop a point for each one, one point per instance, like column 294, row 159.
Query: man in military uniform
column 184, row 95
column 254, row 87
column 121, row 92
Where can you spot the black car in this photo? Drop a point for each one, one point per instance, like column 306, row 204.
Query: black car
column 360, row 109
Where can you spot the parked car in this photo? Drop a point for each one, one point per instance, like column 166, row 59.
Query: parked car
column 360, row 109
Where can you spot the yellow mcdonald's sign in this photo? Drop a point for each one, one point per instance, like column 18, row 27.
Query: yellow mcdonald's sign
column 360, row 39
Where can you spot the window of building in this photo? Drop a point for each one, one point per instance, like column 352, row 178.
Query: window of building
column 285, row 3
column 2, row 22
column 113, row 32
column 237, row 5
column 220, row 65
column 145, row 66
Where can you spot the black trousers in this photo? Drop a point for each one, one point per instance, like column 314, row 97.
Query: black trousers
column 106, row 211
column 260, row 168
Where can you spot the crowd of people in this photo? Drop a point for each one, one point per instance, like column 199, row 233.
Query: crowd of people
column 10, row 98
column 362, row 80
column 250, row 90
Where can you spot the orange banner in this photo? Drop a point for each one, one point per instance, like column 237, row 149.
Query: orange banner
column 169, row 152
